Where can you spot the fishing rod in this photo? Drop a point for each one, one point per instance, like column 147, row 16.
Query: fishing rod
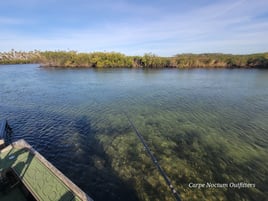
column 161, row 171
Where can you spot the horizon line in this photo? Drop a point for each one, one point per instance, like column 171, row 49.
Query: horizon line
column 145, row 53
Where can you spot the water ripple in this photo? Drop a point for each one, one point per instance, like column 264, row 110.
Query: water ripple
column 76, row 120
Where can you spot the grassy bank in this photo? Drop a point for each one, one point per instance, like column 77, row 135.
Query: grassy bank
column 72, row 59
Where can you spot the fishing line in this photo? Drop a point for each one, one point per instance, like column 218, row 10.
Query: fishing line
column 161, row 171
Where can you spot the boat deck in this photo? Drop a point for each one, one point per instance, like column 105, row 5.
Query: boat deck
column 40, row 177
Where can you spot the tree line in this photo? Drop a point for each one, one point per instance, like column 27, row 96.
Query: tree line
column 73, row 59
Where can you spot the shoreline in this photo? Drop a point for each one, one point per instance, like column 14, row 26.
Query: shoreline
column 72, row 59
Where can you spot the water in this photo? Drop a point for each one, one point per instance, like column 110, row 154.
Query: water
column 202, row 126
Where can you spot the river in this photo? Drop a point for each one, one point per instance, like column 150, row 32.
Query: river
column 202, row 125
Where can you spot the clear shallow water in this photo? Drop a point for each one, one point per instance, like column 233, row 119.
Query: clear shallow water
column 202, row 125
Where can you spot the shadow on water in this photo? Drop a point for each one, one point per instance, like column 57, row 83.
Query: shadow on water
column 70, row 143
column 99, row 179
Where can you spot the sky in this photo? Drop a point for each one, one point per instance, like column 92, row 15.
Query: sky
column 135, row 27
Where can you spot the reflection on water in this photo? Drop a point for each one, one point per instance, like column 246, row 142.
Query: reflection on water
column 202, row 125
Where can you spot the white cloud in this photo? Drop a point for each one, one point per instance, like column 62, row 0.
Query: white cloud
column 226, row 26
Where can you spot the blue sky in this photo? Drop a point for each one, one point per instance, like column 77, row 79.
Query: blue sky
column 135, row 27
